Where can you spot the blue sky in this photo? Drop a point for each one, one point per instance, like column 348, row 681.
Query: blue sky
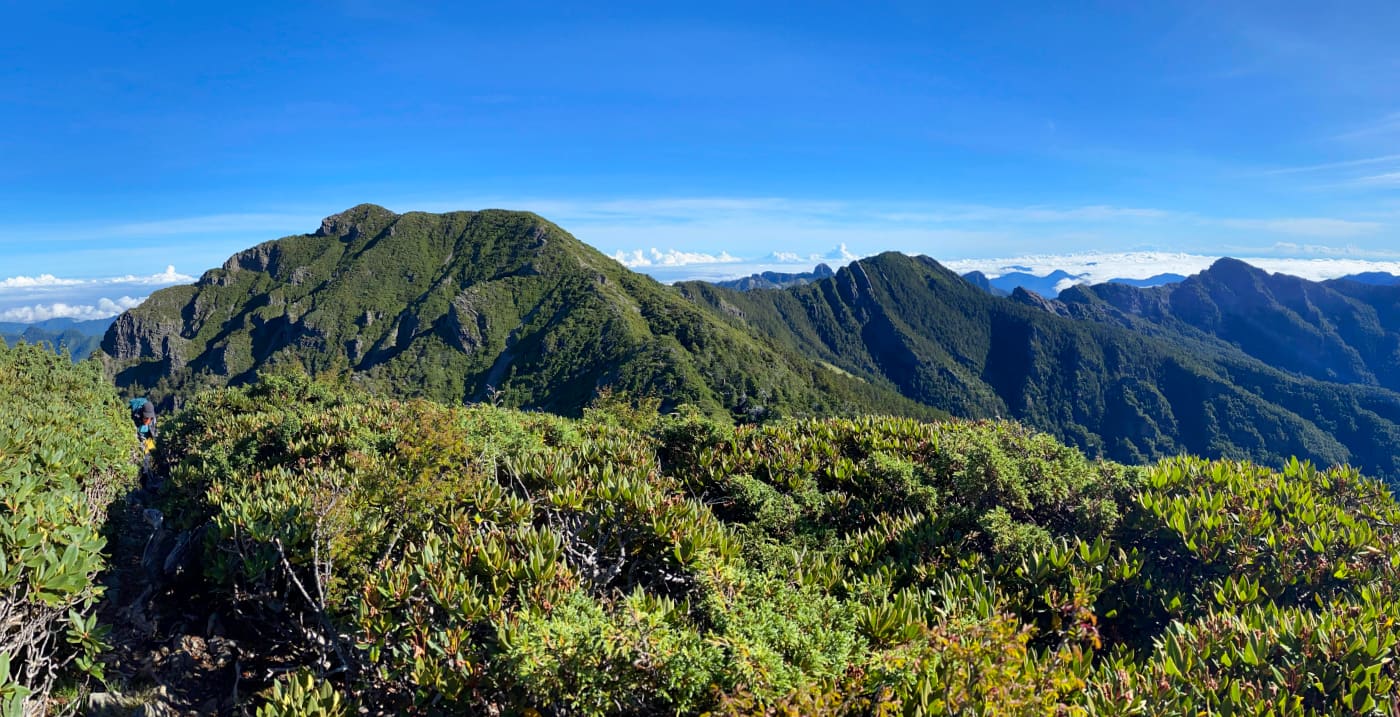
column 136, row 136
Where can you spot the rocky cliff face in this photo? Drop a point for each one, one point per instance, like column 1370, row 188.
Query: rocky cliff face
column 135, row 337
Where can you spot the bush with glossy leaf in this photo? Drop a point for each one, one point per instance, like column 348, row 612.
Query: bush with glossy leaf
column 65, row 452
column 430, row 559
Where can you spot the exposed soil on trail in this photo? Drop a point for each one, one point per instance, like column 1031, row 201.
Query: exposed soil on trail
column 169, row 654
column 171, row 651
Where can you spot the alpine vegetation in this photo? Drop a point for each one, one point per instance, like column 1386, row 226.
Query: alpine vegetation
column 408, row 557
column 63, row 459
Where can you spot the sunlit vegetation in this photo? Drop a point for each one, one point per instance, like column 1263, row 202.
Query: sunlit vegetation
column 65, row 453
column 407, row 557
column 463, row 307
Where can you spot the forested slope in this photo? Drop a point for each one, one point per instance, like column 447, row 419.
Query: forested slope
column 1338, row 331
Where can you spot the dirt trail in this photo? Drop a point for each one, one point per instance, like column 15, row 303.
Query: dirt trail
column 169, row 653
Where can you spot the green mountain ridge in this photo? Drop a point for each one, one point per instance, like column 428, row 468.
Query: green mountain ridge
column 464, row 306
column 1126, row 390
column 505, row 306
column 1339, row 331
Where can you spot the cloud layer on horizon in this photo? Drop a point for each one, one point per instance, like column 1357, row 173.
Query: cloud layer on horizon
column 1098, row 267
column 1085, row 267
column 27, row 299
column 104, row 308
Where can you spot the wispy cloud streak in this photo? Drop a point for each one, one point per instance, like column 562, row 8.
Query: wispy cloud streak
column 1329, row 166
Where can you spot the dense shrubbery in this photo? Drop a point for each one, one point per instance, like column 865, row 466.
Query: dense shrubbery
column 418, row 558
column 64, row 454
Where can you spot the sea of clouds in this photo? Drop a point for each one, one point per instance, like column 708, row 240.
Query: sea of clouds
column 27, row 299
column 673, row 265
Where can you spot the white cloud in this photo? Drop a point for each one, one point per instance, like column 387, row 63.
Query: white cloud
column 1094, row 267
column 740, row 267
column 29, row 282
column 47, row 296
column 104, row 308
column 169, row 276
column 675, row 265
column 671, row 257
column 841, row 253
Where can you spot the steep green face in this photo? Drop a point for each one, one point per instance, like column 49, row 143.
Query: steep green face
column 465, row 306
column 1122, row 372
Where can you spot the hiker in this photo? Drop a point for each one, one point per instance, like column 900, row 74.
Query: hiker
column 143, row 414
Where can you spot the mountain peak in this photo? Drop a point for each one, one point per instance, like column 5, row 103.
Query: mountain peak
column 459, row 306
column 1022, row 295
column 776, row 279
column 354, row 219
column 1227, row 266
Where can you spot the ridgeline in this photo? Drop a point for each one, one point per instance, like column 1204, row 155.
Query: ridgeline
column 465, row 307
column 505, row 306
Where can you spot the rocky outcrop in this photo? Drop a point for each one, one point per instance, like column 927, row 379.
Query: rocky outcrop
column 365, row 219
column 133, row 338
column 465, row 327
column 1034, row 300
column 263, row 257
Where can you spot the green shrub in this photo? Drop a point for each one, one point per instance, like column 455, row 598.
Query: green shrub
column 65, row 452
column 302, row 695
column 481, row 559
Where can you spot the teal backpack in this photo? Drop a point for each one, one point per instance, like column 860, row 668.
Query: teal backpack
column 136, row 404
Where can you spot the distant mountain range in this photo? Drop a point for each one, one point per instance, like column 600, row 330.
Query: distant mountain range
column 1048, row 286
column 506, row 306
column 777, row 280
column 79, row 338
column 1113, row 385
column 1051, row 284
column 1380, row 278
